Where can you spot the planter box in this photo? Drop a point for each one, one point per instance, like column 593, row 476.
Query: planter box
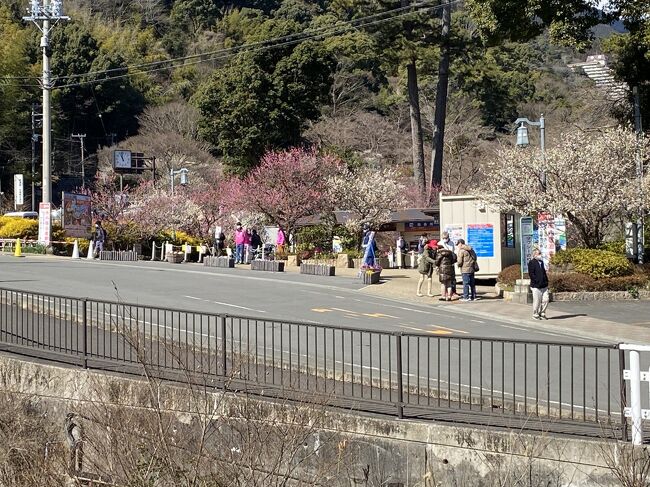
column 267, row 265
column 317, row 269
column 293, row 260
column 227, row 262
column 175, row 257
column 356, row 263
column 371, row 277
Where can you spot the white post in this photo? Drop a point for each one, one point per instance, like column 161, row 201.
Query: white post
column 635, row 397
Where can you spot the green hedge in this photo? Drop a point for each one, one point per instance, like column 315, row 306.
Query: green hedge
column 595, row 263
column 573, row 282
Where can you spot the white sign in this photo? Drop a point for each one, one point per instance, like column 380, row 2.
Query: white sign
column 526, row 230
column 19, row 195
column 44, row 223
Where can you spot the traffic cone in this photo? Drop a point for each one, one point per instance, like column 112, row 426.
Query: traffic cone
column 75, row 250
column 91, row 250
column 18, row 251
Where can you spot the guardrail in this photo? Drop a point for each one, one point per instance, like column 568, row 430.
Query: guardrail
column 565, row 387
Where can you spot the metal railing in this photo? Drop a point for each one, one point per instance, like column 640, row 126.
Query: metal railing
column 565, row 387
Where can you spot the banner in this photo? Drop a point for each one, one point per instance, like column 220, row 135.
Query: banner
column 44, row 223
column 551, row 235
column 76, row 215
column 19, row 192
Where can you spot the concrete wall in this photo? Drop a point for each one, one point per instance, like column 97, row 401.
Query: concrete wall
column 377, row 451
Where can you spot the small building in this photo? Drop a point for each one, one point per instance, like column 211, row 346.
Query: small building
column 494, row 236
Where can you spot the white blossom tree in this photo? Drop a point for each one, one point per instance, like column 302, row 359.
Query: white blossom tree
column 591, row 180
column 370, row 194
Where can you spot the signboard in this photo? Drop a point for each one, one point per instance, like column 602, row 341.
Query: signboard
column 421, row 226
column 76, row 215
column 19, row 195
column 480, row 236
column 551, row 235
column 526, row 227
column 455, row 232
column 44, row 223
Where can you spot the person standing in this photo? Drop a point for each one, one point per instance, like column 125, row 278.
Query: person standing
column 256, row 244
column 247, row 246
column 422, row 241
column 280, row 240
column 448, row 243
column 445, row 260
column 99, row 237
column 240, row 237
column 426, row 266
column 468, row 266
column 538, row 285
column 400, row 251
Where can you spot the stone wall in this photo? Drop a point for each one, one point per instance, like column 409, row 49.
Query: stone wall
column 370, row 451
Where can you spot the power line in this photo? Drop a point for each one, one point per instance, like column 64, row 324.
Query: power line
column 225, row 53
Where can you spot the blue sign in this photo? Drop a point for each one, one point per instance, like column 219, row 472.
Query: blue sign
column 480, row 236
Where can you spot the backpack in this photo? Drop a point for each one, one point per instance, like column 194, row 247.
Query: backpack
column 474, row 256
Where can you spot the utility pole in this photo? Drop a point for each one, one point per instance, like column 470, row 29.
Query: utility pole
column 638, row 127
column 81, row 138
column 45, row 14
column 35, row 137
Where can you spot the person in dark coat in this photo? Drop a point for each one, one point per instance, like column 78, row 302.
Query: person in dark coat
column 538, row 285
column 445, row 260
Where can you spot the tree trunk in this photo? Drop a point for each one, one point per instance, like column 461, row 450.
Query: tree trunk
column 416, row 129
column 441, row 102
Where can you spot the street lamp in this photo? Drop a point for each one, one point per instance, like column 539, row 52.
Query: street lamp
column 184, row 180
column 522, row 139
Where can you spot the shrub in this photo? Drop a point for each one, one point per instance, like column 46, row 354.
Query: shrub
column 593, row 262
column 508, row 276
column 11, row 227
column 617, row 246
column 573, row 282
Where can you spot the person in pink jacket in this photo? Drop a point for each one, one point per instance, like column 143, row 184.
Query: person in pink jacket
column 280, row 240
column 240, row 238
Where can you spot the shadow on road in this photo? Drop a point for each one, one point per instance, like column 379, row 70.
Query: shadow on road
column 564, row 317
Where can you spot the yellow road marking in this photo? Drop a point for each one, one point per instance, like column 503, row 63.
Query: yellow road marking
column 321, row 310
column 346, row 311
column 441, row 332
column 379, row 315
column 451, row 329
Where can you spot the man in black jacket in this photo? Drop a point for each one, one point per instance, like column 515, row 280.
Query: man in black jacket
column 538, row 285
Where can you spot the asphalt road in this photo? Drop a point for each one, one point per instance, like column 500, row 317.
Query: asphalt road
column 332, row 301
column 571, row 377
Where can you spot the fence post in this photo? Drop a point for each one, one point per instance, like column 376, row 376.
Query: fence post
column 222, row 321
column 84, row 318
column 398, row 360
column 621, row 368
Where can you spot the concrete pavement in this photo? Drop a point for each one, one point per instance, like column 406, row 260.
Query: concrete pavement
column 616, row 321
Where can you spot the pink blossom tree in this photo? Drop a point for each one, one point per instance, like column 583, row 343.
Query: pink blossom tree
column 285, row 187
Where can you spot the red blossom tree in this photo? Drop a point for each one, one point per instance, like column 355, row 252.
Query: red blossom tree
column 285, row 187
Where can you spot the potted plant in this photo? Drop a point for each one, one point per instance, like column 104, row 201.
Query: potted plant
column 370, row 273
